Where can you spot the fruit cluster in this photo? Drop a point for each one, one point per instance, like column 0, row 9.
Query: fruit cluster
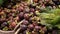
column 10, row 17
column 26, row 12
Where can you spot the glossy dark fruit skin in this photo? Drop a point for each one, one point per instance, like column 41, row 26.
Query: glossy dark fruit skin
column 31, row 27
column 20, row 9
column 26, row 9
column 30, row 21
column 22, row 4
column 37, row 28
column 24, row 32
column 32, row 10
column 2, row 25
column 26, row 16
column 5, row 23
column 21, row 14
column 23, row 27
column 34, row 23
column 25, row 22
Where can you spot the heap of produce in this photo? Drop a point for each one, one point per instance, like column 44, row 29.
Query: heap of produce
column 38, row 17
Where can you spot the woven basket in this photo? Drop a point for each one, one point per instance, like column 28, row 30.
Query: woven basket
column 6, row 32
column 11, row 32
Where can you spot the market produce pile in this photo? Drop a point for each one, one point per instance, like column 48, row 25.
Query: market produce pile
column 37, row 18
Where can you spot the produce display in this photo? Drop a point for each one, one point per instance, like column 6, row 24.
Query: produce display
column 38, row 17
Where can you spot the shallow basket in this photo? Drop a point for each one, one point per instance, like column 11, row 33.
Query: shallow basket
column 11, row 32
column 6, row 32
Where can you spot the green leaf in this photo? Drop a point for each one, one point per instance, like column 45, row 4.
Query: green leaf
column 56, row 21
column 1, row 2
column 47, row 16
column 58, row 26
column 55, row 11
